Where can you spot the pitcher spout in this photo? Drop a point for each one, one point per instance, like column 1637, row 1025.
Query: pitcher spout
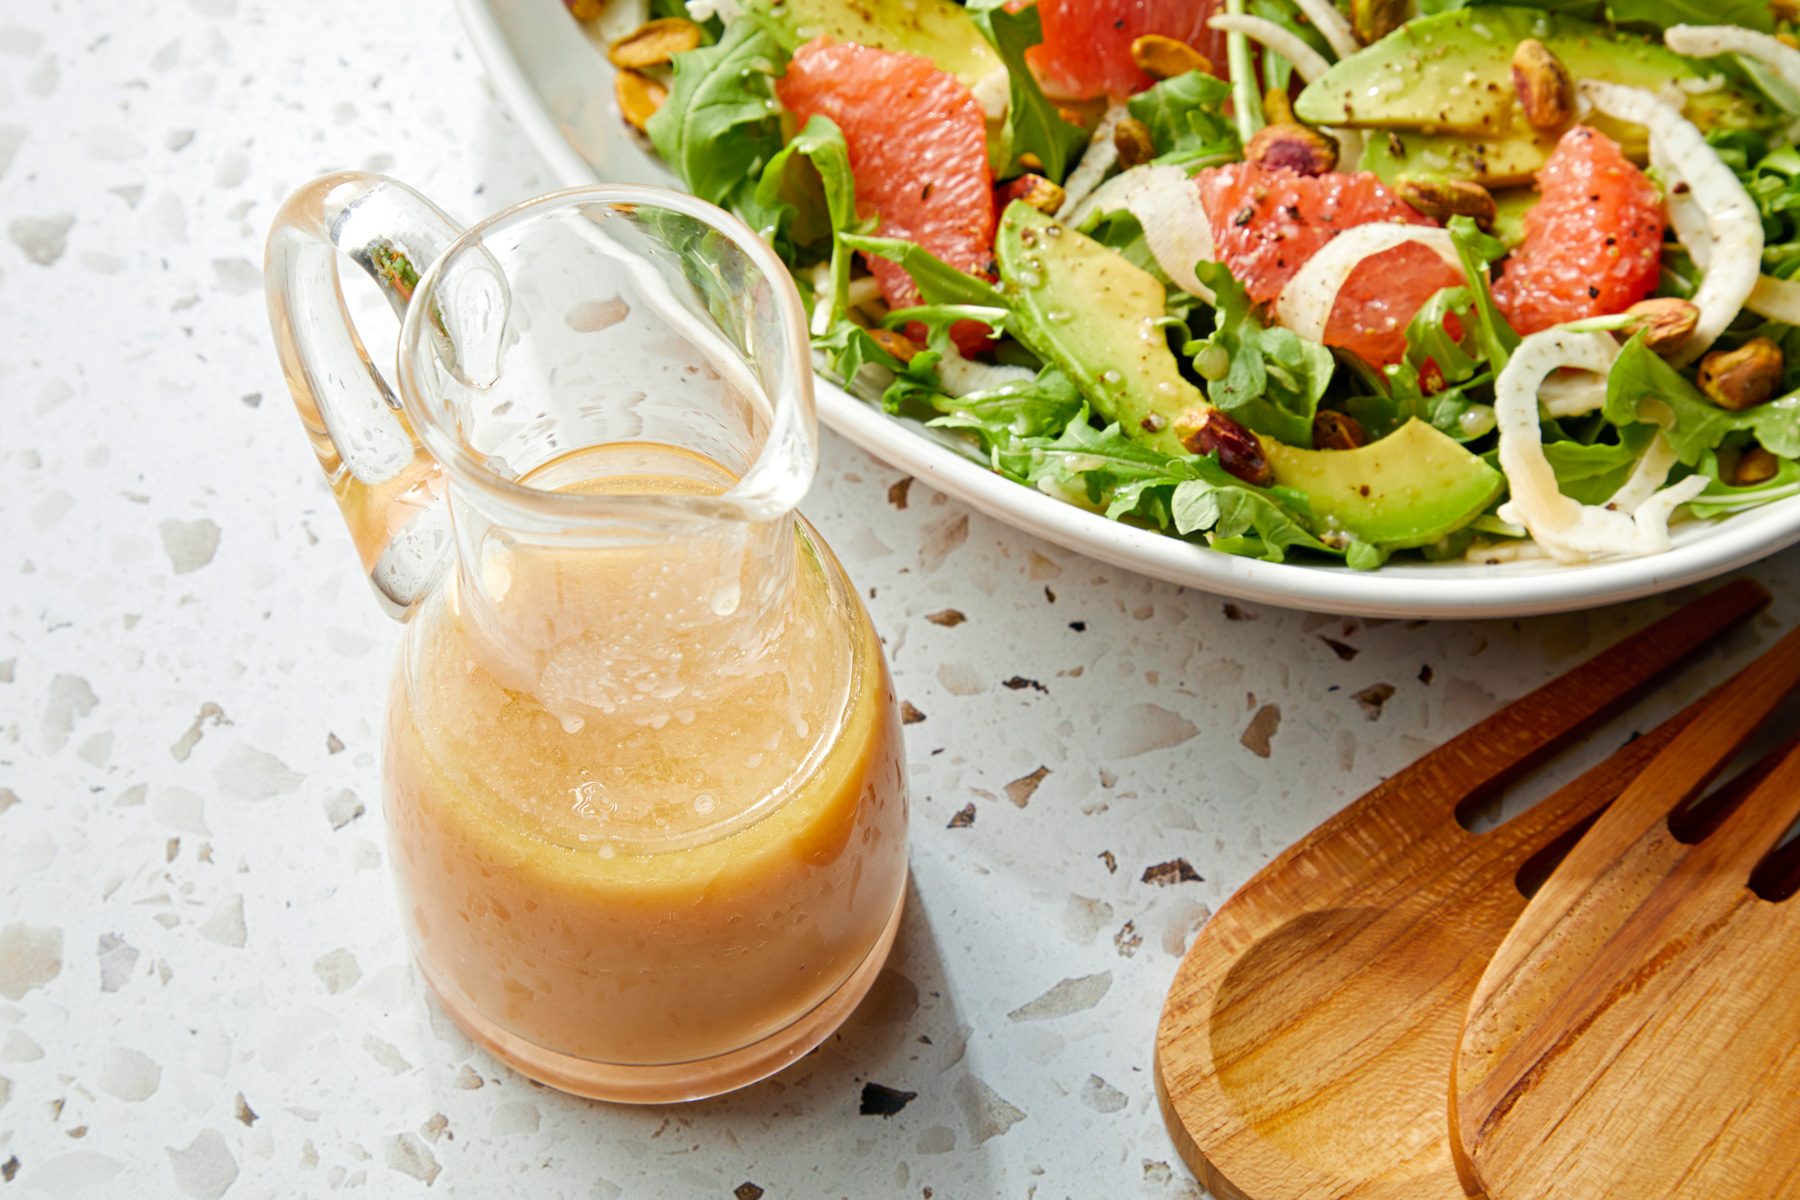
column 587, row 318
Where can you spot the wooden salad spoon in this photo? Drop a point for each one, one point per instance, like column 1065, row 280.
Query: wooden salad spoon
column 1637, row 1033
column 1304, row 1049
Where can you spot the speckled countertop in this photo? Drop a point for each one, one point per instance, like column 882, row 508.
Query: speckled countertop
column 203, row 988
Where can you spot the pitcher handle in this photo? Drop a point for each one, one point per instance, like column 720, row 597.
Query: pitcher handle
column 387, row 486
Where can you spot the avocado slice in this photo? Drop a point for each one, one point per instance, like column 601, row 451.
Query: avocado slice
column 1492, row 162
column 1510, row 207
column 1100, row 318
column 1452, row 73
column 1413, row 487
column 940, row 30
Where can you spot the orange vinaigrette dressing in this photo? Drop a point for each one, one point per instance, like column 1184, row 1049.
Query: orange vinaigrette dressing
column 650, row 856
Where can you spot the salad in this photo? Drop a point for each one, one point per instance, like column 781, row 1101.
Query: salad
column 1466, row 281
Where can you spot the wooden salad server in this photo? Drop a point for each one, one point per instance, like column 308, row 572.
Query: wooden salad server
column 1304, row 1050
column 1638, row 1031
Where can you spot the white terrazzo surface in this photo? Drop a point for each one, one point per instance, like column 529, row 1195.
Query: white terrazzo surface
column 203, row 988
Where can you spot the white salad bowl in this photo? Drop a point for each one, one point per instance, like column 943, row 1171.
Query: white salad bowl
column 558, row 85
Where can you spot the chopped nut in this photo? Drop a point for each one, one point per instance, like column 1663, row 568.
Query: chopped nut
column 1031, row 162
column 895, row 343
column 1441, row 199
column 1334, row 430
column 1372, row 20
column 1034, row 190
column 1165, row 57
column 639, row 97
column 654, row 43
column 586, row 10
column 1131, row 137
column 1277, row 108
column 1666, row 321
column 1742, row 378
column 1546, row 89
column 1209, row 431
column 1085, row 113
column 1295, row 147
column 1755, row 465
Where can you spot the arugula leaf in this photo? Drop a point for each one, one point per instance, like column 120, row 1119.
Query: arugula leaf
column 1659, row 14
column 1768, row 81
column 937, row 317
column 1642, row 387
column 1361, row 556
column 1753, row 14
column 847, row 348
column 913, row 388
column 1121, row 477
column 721, row 124
column 1400, row 391
column 1476, row 250
column 1033, row 124
column 998, row 417
column 1428, row 337
column 1455, row 545
column 938, row 281
column 1772, row 177
column 1226, row 507
column 1186, row 118
column 1275, row 378
column 1720, row 498
column 1101, row 461
column 805, row 197
column 1277, row 71
column 1592, row 473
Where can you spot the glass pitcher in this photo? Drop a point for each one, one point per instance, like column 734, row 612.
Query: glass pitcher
column 644, row 786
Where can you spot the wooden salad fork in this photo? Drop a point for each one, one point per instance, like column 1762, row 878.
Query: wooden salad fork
column 1637, row 1033
column 1304, row 1050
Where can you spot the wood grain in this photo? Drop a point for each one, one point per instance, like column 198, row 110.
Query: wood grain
column 1304, row 1050
column 1637, row 1033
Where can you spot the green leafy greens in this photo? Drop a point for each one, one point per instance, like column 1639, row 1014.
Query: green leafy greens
column 1642, row 387
column 1275, row 377
column 938, row 281
column 1113, row 474
column 1186, row 118
column 721, row 125
column 1408, row 389
column 999, row 417
column 1772, row 178
column 1592, row 473
column 1477, row 251
column 1752, row 14
column 1720, row 499
column 805, row 197
column 1658, row 14
column 1033, row 124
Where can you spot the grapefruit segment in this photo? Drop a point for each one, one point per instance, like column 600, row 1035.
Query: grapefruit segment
column 1267, row 223
column 1380, row 299
column 1593, row 241
column 918, row 149
column 1086, row 49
